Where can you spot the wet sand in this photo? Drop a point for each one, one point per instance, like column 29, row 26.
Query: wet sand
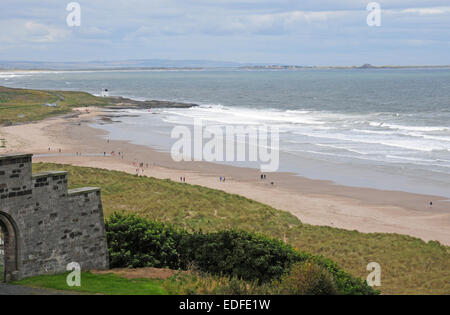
column 312, row 201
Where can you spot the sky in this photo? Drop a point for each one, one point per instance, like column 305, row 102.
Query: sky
column 300, row 32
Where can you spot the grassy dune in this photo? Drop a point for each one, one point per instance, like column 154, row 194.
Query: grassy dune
column 21, row 105
column 409, row 265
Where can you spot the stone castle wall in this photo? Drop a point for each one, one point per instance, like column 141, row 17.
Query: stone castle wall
column 47, row 226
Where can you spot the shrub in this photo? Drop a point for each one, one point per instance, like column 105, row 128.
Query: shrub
column 248, row 256
column 253, row 258
column 306, row 279
column 134, row 242
column 345, row 283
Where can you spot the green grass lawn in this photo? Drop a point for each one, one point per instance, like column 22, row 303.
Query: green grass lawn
column 179, row 284
column 409, row 265
column 21, row 105
column 110, row 284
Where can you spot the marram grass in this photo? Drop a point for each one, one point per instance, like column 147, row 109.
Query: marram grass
column 408, row 265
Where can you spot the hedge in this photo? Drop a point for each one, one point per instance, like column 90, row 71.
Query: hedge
column 135, row 242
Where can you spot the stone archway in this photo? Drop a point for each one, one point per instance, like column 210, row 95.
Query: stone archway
column 10, row 235
column 46, row 225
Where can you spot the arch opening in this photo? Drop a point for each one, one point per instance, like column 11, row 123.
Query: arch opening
column 8, row 249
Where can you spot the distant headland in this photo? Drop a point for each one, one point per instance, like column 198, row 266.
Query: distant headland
column 178, row 65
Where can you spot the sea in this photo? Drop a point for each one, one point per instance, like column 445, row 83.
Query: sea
column 379, row 128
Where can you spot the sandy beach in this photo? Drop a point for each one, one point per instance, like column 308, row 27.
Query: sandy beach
column 312, row 201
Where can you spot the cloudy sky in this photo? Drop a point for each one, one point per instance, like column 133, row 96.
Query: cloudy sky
column 302, row 32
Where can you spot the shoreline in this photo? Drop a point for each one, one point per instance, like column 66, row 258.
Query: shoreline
column 315, row 202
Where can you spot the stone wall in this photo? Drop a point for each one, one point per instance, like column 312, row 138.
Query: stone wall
column 45, row 225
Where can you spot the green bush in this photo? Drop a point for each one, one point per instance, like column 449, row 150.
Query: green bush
column 240, row 254
column 255, row 257
column 306, row 279
column 345, row 283
column 136, row 242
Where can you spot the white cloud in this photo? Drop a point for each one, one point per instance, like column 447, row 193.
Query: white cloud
column 41, row 33
column 228, row 28
column 427, row 11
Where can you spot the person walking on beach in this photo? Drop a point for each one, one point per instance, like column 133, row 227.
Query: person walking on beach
column 184, row 179
column 220, row 178
column 224, row 179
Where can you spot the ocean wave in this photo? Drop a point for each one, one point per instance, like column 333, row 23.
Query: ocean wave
column 349, row 135
column 409, row 128
column 408, row 158
column 228, row 115
column 18, row 74
column 423, row 146
column 403, row 133
column 375, row 132
column 341, row 148
column 339, row 155
column 420, row 161
column 382, row 159
column 7, row 76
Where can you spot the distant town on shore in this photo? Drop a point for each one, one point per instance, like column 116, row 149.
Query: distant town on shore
column 157, row 64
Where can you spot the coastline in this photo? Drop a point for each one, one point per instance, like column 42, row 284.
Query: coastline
column 314, row 202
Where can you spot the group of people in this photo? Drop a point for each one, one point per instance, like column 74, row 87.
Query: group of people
column 264, row 177
column 139, row 167
column 113, row 153
column 49, row 149
column 222, row 179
